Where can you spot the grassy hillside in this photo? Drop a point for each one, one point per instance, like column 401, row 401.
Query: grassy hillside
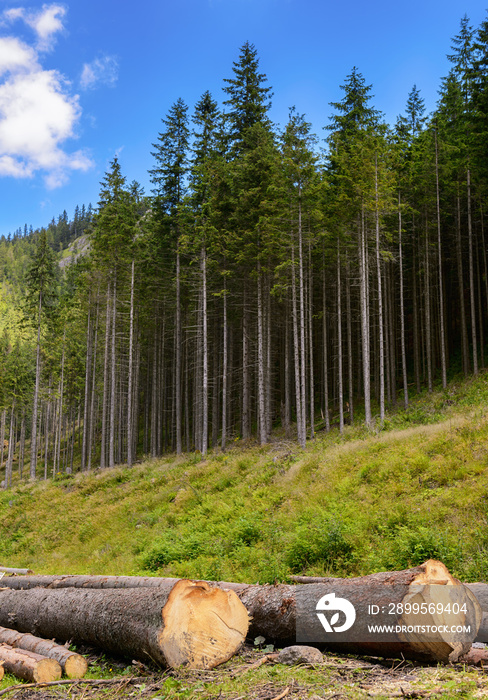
column 347, row 505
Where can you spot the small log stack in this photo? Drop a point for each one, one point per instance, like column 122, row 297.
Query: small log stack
column 73, row 665
column 29, row 666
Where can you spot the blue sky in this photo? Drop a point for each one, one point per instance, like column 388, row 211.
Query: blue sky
column 81, row 82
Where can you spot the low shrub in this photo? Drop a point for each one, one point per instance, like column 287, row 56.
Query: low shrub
column 321, row 541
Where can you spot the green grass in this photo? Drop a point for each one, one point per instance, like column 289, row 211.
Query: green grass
column 346, row 505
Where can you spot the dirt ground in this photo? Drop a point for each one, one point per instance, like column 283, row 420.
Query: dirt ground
column 254, row 675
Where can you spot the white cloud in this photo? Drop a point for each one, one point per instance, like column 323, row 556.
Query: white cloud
column 16, row 56
column 37, row 112
column 101, row 71
column 45, row 22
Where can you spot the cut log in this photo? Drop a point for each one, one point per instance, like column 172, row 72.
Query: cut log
column 273, row 609
column 16, row 572
column 210, row 626
column 1, row 670
column 73, row 665
column 29, row 666
column 480, row 591
column 96, row 582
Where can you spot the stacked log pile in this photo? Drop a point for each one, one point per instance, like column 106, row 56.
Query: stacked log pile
column 201, row 624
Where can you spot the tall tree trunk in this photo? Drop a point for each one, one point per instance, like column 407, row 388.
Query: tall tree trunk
column 324, row 350
column 103, row 441
column 428, row 329
column 301, row 276
column 130, row 457
column 349, row 345
column 415, row 312
column 441, row 281
column 179, row 444
column 2, row 436
column 11, row 448
column 459, row 260
column 224, row 371
column 113, row 382
column 205, row 355
column 93, row 387
column 261, row 401
column 363, row 294
column 22, row 444
column 33, row 445
column 402, row 307
column 61, row 407
column 310, row 342
column 154, row 394
column 296, row 348
column 471, row 276
column 245, row 369
column 340, row 386
column 380, row 300
column 46, row 430
column 86, row 402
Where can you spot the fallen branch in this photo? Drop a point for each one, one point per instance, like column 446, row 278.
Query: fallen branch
column 283, row 694
column 256, row 664
column 74, row 681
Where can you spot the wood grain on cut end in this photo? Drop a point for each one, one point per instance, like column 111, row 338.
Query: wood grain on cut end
column 452, row 609
column 75, row 666
column 435, row 572
column 203, row 625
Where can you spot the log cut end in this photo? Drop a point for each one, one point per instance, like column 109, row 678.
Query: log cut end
column 1, row 670
column 203, row 626
column 47, row 671
column 452, row 611
column 75, row 666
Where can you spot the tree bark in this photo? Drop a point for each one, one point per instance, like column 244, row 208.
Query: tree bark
column 187, row 623
column 73, row 665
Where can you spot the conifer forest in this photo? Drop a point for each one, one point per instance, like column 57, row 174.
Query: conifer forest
column 270, row 280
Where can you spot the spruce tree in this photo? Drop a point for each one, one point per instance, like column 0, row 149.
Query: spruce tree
column 249, row 100
column 169, row 180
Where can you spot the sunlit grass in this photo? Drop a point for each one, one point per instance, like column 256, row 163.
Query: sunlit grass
column 347, row 505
